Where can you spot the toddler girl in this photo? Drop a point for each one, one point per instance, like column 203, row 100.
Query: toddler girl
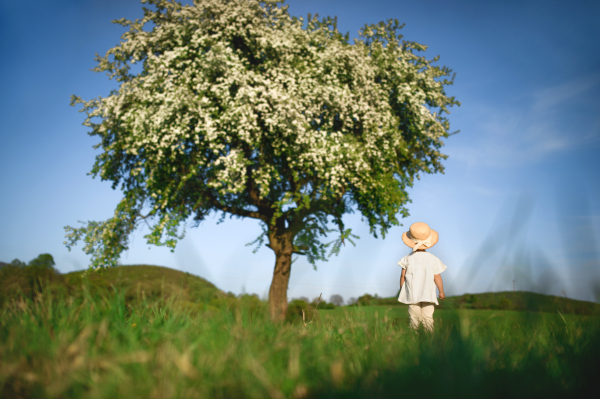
column 420, row 275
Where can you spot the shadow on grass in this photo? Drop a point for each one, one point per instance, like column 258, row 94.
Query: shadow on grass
column 463, row 363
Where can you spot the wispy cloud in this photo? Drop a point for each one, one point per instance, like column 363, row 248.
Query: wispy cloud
column 533, row 127
column 548, row 99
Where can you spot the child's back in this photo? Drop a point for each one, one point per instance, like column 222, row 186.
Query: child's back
column 420, row 275
column 419, row 283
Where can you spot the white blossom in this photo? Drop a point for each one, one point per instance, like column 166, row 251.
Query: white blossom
column 230, row 100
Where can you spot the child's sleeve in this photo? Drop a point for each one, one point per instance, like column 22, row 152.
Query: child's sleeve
column 403, row 262
column 439, row 267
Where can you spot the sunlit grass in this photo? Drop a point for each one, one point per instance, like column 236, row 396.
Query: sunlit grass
column 101, row 346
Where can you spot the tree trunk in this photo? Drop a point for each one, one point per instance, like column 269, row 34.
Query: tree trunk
column 282, row 244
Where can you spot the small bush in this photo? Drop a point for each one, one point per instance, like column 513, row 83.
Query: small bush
column 366, row 300
column 294, row 312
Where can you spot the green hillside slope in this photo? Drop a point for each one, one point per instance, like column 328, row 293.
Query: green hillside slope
column 136, row 282
column 145, row 282
column 509, row 300
column 521, row 301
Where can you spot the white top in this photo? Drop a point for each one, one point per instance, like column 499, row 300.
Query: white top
column 418, row 280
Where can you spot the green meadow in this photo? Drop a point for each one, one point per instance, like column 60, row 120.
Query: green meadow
column 151, row 332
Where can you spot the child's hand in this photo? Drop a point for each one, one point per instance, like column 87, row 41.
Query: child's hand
column 442, row 295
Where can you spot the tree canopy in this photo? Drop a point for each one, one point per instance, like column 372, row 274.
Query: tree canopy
column 240, row 108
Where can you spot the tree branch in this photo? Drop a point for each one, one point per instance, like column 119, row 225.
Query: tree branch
column 236, row 211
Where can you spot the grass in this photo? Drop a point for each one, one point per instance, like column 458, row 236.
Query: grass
column 461, row 319
column 509, row 300
column 101, row 347
column 150, row 332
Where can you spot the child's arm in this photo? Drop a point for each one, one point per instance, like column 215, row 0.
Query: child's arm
column 402, row 277
column 438, row 282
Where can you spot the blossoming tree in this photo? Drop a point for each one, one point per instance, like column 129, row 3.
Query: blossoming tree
column 243, row 109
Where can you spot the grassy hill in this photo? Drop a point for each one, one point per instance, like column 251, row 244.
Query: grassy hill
column 509, row 300
column 145, row 282
column 138, row 283
column 78, row 340
column 101, row 347
column 521, row 301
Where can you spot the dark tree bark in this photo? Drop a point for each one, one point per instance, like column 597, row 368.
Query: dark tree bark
column 281, row 242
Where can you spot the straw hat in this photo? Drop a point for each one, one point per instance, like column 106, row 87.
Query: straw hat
column 420, row 236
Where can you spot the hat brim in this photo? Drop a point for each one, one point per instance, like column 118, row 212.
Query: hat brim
column 434, row 239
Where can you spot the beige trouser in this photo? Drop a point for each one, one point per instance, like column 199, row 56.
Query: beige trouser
column 421, row 312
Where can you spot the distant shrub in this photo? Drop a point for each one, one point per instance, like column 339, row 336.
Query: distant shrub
column 316, row 300
column 336, row 299
column 366, row 300
column 504, row 303
column 37, row 277
column 467, row 301
column 374, row 300
column 18, row 263
column 294, row 312
column 387, row 301
column 326, row 305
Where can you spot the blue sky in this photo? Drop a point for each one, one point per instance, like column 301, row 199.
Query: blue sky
column 518, row 201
